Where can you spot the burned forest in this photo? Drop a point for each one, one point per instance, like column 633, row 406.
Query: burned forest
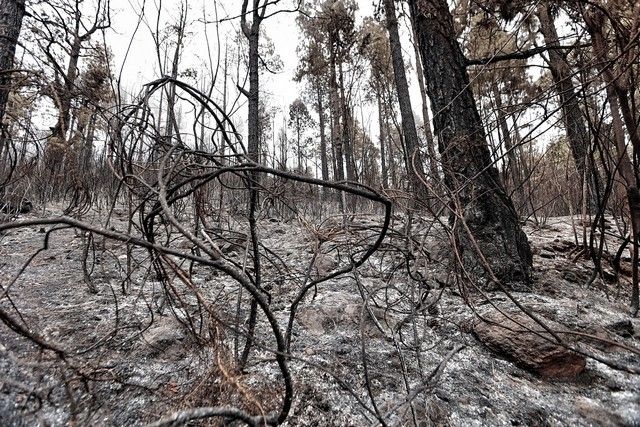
column 319, row 213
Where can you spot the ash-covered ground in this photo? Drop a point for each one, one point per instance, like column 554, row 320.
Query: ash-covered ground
column 392, row 340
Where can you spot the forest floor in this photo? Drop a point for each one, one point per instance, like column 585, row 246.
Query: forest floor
column 131, row 358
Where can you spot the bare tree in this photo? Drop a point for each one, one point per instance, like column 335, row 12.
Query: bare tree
column 469, row 174
column 415, row 168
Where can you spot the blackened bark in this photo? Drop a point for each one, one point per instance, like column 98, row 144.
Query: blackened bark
column 595, row 20
column 347, row 144
column 469, row 173
column 11, row 14
column 336, row 136
column 512, row 168
column 413, row 156
column 324, row 166
column 383, row 151
column 426, row 118
column 253, row 143
column 172, row 124
column 572, row 115
column 252, row 33
column 66, row 91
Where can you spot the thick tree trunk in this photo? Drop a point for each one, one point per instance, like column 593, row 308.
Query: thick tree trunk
column 413, row 156
column 11, row 13
column 479, row 196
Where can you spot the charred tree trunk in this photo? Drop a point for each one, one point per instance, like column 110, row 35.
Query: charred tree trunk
column 66, row 93
column 595, row 22
column 413, row 156
column 426, row 118
column 512, row 167
column 336, row 135
column 478, row 195
column 324, row 165
column 347, row 143
column 252, row 33
column 11, row 14
column 572, row 115
column 383, row 150
column 172, row 123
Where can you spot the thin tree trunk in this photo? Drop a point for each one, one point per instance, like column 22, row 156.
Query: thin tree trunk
column 572, row 115
column 595, row 23
column 426, row 117
column 383, row 155
column 172, row 124
column 334, row 106
column 347, row 143
column 252, row 33
column 412, row 145
column 324, row 166
column 511, row 167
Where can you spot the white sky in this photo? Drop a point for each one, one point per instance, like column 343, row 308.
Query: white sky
column 141, row 65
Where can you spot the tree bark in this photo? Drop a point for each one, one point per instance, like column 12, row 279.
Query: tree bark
column 253, row 142
column 347, row 143
column 478, row 195
column 595, row 23
column 324, row 166
column 511, row 168
column 334, row 106
column 572, row 115
column 426, row 118
column 383, row 151
column 11, row 14
column 412, row 145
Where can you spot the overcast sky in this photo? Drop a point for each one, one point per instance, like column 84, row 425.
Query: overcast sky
column 141, row 65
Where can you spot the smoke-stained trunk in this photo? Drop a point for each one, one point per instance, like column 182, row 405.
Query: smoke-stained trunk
column 347, row 122
column 572, row 115
column 595, row 21
column 383, row 151
column 11, row 14
column 413, row 156
column 336, row 135
column 469, row 173
column 324, row 166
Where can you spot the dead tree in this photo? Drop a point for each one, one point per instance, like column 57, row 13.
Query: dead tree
column 415, row 169
column 470, row 176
